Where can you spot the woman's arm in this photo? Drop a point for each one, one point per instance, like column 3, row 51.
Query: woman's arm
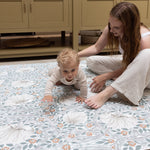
column 145, row 41
column 99, row 81
column 97, row 47
column 114, row 74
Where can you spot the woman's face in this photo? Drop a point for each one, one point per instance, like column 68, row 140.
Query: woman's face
column 116, row 27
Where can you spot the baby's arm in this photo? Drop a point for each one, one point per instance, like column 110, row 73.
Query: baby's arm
column 82, row 82
column 49, row 86
column 83, row 93
column 48, row 91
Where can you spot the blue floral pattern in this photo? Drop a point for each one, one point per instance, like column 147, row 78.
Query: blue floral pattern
column 66, row 124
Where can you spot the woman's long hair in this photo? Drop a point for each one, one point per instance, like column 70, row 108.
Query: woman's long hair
column 129, row 15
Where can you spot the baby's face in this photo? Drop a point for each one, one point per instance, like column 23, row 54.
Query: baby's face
column 69, row 71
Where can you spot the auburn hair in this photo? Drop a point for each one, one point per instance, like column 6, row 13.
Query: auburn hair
column 129, row 15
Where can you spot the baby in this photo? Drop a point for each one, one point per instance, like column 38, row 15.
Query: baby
column 68, row 73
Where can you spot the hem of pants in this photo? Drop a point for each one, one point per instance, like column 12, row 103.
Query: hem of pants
column 125, row 95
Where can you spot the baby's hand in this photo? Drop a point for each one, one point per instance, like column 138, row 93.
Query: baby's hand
column 80, row 99
column 47, row 98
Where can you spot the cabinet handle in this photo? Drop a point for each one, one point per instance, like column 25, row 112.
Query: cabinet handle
column 30, row 8
column 24, row 7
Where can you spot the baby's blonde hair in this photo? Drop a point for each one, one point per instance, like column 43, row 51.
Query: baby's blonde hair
column 66, row 56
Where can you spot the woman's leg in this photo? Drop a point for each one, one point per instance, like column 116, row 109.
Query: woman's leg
column 99, row 99
column 135, row 78
column 100, row 65
column 130, row 84
column 104, row 64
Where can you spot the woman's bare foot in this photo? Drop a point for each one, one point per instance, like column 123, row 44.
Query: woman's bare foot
column 99, row 99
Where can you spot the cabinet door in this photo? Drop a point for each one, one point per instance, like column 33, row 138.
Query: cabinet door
column 13, row 14
column 144, row 8
column 50, row 14
column 95, row 13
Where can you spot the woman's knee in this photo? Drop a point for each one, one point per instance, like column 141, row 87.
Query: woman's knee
column 91, row 63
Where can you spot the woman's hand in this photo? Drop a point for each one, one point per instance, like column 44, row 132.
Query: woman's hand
column 47, row 98
column 98, row 83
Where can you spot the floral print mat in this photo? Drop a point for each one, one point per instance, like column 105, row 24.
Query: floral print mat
column 28, row 124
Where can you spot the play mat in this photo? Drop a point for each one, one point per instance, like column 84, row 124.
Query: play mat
column 28, row 124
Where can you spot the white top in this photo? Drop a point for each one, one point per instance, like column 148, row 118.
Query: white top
column 142, row 35
column 79, row 81
column 145, row 34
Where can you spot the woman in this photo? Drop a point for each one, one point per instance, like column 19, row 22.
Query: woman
column 131, row 70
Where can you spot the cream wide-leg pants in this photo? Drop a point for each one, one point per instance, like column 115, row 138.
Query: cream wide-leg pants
column 132, row 82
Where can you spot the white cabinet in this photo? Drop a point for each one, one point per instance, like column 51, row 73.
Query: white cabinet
column 94, row 14
column 35, row 15
column 58, row 15
column 13, row 14
column 144, row 9
column 50, row 14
